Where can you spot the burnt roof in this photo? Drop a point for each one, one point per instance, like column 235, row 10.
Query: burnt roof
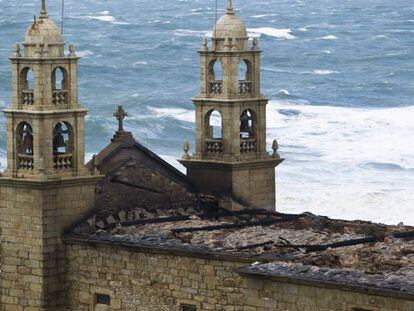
column 304, row 246
column 124, row 147
column 368, row 254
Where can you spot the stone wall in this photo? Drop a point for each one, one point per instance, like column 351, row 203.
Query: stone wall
column 33, row 216
column 144, row 280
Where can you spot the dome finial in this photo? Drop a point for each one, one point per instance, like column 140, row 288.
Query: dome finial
column 230, row 7
column 43, row 12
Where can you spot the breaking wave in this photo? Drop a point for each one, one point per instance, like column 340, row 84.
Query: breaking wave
column 271, row 32
column 324, row 72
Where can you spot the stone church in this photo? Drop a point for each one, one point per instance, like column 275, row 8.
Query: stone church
column 127, row 231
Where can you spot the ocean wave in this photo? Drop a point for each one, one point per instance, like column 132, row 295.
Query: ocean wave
column 84, row 53
column 283, row 93
column 381, row 37
column 324, row 72
column 106, row 18
column 140, row 63
column 180, row 114
column 103, row 18
column 191, row 33
column 263, row 15
column 271, row 32
column 329, row 37
column 383, row 166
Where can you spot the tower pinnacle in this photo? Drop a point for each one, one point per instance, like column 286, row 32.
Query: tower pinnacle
column 43, row 12
column 230, row 7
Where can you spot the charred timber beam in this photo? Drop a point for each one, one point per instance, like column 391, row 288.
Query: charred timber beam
column 266, row 222
column 148, row 221
column 404, row 235
column 315, row 248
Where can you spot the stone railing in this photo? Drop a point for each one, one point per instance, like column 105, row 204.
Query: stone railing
column 27, row 97
column 245, row 87
column 63, row 161
column 25, row 161
column 247, row 145
column 59, row 97
column 214, row 146
column 216, row 87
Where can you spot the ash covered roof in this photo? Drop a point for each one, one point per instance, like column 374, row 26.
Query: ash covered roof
column 142, row 204
column 304, row 246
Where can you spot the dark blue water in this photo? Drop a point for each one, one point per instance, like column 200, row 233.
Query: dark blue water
column 339, row 73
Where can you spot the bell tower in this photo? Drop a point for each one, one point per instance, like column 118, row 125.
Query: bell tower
column 230, row 156
column 46, row 186
column 45, row 123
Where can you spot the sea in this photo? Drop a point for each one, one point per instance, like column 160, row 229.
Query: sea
column 340, row 76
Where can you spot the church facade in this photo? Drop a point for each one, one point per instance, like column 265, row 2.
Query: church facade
column 127, row 231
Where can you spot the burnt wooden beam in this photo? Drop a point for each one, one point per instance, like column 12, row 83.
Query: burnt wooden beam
column 353, row 242
column 148, row 221
column 404, row 235
column 265, row 222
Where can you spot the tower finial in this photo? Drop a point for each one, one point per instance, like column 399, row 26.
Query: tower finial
column 230, row 7
column 43, row 12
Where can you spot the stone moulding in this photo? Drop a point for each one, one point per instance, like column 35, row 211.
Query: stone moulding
column 49, row 183
column 233, row 166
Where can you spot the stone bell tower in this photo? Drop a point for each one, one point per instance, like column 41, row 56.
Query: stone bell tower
column 46, row 186
column 230, row 155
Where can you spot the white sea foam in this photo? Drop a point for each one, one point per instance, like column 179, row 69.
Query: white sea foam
column 329, row 37
column 140, row 63
column 191, row 33
column 84, row 53
column 341, row 162
column 106, row 18
column 283, row 92
column 176, row 113
column 103, row 18
column 341, row 158
column 271, row 32
column 324, row 72
column 263, row 15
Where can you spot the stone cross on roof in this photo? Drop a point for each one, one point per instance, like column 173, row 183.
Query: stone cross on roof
column 120, row 115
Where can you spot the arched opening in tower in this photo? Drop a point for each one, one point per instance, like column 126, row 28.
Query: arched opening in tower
column 247, row 124
column 214, row 125
column 213, row 131
column 62, row 136
column 27, row 82
column 63, row 145
column 245, row 76
column 25, row 138
column 24, row 144
column 216, row 76
column 242, row 70
column 59, row 86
